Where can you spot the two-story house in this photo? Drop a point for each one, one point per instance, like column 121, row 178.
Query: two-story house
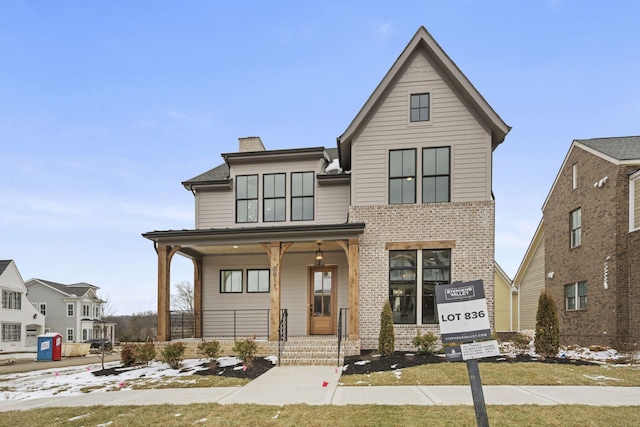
column 589, row 243
column 74, row 311
column 20, row 323
column 314, row 235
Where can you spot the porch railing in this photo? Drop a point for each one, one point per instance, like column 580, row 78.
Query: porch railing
column 221, row 323
column 343, row 329
column 282, row 331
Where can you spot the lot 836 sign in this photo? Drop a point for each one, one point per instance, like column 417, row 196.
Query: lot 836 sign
column 462, row 312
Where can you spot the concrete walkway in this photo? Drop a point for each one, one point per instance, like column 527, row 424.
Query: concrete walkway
column 319, row 385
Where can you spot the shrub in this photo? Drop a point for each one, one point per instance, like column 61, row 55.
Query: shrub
column 128, row 354
column 145, row 353
column 386, row 339
column 246, row 350
column 547, row 339
column 173, row 354
column 521, row 342
column 210, row 349
column 426, row 343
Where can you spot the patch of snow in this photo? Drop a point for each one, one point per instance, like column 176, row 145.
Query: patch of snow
column 361, row 362
column 601, row 377
column 333, row 166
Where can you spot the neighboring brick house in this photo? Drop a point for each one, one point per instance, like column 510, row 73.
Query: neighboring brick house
column 20, row 323
column 591, row 244
column 404, row 203
column 74, row 311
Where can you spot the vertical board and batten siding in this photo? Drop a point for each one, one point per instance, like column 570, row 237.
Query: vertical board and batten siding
column 216, row 209
column 451, row 124
column 532, row 284
column 294, row 285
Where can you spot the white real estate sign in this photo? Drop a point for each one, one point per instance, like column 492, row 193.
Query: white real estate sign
column 462, row 312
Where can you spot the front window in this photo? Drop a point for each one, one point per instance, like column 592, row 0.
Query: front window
column 576, row 228
column 11, row 332
column 247, row 198
column 69, row 310
column 12, row 300
column 420, row 107
column 274, row 194
column 257, row 281
column 302, row 196
column 436, row 270
column 43, row 308
column 435, row 175
column 402, row 176
column 230, row 281
column 576, row 296
column 85, row 334
column 70, row 334
column 402, row 286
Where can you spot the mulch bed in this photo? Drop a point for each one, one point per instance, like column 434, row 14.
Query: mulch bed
column 400, row 359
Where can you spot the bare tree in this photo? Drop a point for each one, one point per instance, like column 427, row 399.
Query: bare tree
column 182, row 299
column 108, row 309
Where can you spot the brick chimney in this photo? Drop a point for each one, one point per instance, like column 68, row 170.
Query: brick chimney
column 251, row 143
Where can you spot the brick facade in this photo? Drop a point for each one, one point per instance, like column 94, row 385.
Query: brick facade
column 469, row 224
column 604, row 257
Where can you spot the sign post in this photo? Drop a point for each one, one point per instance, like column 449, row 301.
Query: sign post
column 463, row 317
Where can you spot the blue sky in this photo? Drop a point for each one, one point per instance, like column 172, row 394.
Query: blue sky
column 106, row 106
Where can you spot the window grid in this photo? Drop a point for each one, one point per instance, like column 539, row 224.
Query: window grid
column 11, row 332
column 258, row 281
column 402, row 176
column 302, row 196
column 85, row 310
column 576, row 228
column 436, row 182
column 246, row 198
column 69, row 310
column 576, row 296
column 419, row 107
column 230, row 281
column 43, row 308
column 70, row 334
column 11, row 300
column 274, row 197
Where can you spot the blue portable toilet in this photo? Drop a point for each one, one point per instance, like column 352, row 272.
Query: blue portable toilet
column 49, row 346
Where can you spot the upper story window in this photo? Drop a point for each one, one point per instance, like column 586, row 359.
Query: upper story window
column 12, row 300
column 574, row 176
column 576, row 228
column 85, row 310
column 96, row 311
column 70, row 310
column 575, row 296
column 402, row 176
column 302, row 196
column 420, row 107
column 247, row 198
column 230, row 281
column 634, row 202
column 274, row 195
column 43, row 308
column 257, row 281
column 435, row 174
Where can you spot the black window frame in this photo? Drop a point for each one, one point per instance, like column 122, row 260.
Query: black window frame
column 436, row 175
column 429, row 303
column 233, row 270
column 403, row 290
column 246, row 198
column 418, row 111
column 302, row 196
column 258, row 290
column 403, row 176
column 274, row 198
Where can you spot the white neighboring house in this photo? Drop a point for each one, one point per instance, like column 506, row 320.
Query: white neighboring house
column 20, row 322
column 74, row 311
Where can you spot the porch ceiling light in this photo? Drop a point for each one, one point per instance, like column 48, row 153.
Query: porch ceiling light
column 319, row 262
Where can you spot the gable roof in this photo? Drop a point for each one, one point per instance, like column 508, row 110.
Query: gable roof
column 538, row 237
column 73, row 290
column 619, row 150
column 423, row 40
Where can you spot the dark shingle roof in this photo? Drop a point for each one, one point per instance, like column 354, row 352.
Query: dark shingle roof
column 620, row 148
column 216, row 174
column 3, row 265
column 77, row 289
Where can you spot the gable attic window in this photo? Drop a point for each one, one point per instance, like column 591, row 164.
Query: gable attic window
column 634, row 202
column 274, row 195
column 402, row 176
column 419, row 107
column 302, row 197
column 247, row 198
column 576, row 228
column 435, row 175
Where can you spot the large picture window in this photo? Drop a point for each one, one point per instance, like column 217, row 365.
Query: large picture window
column 576, row 296
column 402, row 176
column 402, row 286
column 302, row 195
column 274, row 195
column 435, row 175
column 436, row 270
column 247, row 198
column 257, row 281
column 230, row 281
column 576, row 228
column 11, row 332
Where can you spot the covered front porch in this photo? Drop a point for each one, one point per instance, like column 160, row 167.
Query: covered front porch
column 262, row 282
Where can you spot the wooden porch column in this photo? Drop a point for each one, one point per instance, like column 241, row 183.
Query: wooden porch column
column 197, row 295
column 353, row 288
column 165, row 253
column 275, row 250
